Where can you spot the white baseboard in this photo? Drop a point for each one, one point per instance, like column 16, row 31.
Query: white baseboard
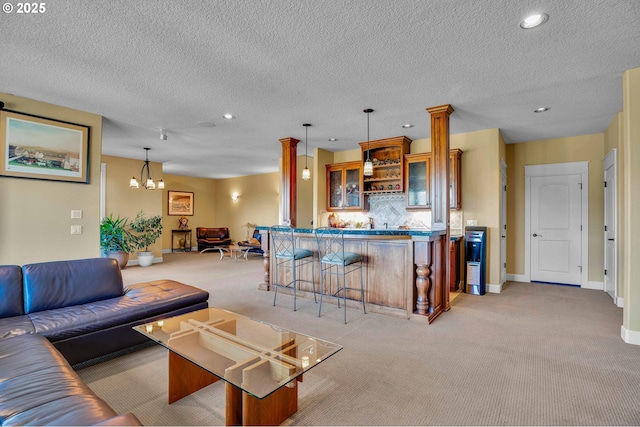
column 155, row 261
column 599, row 286
column 168, row 251
column 517, row 278
column 494, row 289
column 629, row 336
column 620, row 302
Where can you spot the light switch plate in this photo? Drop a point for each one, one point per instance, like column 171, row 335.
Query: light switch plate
column 76, row 229
column 472, row 222
column 76, row 214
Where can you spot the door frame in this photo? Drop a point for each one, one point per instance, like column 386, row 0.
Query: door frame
column 610, row 160
column 503, row 222
column 555, row 169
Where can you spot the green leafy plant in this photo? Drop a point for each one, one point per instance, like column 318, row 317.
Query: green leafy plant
column 146, row 230
column 114, row 234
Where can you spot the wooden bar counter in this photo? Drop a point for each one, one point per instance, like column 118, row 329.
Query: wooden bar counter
column 404, row 270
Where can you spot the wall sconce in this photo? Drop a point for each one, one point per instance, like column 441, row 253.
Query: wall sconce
column 235, row 196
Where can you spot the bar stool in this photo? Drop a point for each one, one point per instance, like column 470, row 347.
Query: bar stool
column 335, row 260
column 288, row 256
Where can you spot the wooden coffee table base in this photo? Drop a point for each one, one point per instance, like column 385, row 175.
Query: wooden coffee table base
column 185, row 377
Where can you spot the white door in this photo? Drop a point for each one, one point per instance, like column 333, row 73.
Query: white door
column 610, row 260
column 556, row 213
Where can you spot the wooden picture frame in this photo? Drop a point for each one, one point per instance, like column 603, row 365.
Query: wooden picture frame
column 39, row 148
column 180, row 203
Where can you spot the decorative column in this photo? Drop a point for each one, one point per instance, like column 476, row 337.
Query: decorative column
column 289, row 182
column 440, row 184
column 265, row 243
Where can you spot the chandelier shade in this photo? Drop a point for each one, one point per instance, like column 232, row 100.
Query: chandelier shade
column 145, row 176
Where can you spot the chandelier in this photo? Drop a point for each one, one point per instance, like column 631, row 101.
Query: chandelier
column 145, row 176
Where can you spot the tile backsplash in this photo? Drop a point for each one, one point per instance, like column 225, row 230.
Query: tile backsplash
column 389, row 211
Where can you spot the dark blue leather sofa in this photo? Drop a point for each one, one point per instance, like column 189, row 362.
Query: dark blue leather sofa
column 56, row 314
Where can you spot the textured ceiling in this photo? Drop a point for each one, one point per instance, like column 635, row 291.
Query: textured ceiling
column 149, row 64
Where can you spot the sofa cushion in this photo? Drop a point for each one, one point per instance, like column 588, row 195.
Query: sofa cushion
column 159, row 296
column 140, row 301
column 51, row 285
column 11, row 303
column 38, row 387
column 14, row 326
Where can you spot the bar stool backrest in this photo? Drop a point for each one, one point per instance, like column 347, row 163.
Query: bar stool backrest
column 331, row 245
column 283, row 242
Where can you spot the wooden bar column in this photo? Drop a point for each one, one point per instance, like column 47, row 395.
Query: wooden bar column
column 289, row 179
column 440, row 183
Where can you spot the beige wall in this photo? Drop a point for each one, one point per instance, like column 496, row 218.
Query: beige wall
column 321, row 158
column 630, row 204
column 613, row 139
column 588, row 148
column 204, row 203
column 35, row 215
column 259, row 202
column 480, row 186
column 304, row 196
column 120, row 200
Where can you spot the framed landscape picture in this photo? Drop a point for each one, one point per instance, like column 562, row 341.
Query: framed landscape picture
column 40, row 148
column 180, row 203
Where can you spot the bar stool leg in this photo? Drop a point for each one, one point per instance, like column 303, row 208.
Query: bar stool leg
column 295, row 284
column 321, row 289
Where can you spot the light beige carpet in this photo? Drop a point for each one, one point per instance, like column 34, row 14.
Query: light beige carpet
column 532, row 355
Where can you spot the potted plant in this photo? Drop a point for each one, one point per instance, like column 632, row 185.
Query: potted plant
column 145, row 232
column 115, row 239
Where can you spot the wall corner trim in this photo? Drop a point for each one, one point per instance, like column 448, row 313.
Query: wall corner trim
column 629, row 336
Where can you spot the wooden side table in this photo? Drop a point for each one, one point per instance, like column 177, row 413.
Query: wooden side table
column 186, row 234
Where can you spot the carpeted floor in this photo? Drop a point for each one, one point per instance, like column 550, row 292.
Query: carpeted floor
column 532, row 355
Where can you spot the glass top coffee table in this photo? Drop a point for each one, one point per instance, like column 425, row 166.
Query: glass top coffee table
column 261, row 363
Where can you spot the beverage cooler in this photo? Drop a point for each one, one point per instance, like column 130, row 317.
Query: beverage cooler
column 475, row 277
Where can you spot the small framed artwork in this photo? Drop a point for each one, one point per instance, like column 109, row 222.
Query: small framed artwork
column 180, row 203
column 40, row 148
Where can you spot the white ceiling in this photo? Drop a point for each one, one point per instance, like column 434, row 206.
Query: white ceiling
column 276, row 64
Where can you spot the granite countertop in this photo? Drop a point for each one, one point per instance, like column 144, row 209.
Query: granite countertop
column 376, row 232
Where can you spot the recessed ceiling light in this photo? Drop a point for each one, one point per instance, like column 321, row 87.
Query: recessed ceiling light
column 407, row 125
column 333, row 139
column 206, row 124
column 229, row 116
column 534, row 20
column 541, row 110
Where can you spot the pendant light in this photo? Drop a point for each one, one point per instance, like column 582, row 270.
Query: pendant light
column 145, row 176
column 306, row 173
column 368, row 166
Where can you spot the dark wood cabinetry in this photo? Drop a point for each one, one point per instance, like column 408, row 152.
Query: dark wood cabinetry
column 344, row 186
column 417, row 173
column 387, row 156
column 454, row 264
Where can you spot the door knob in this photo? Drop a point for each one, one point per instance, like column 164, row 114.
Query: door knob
column 537, row 235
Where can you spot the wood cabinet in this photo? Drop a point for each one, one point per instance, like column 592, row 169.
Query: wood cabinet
column 454, row 264
column 387, row 156
column 417, row 173
column 344, row 186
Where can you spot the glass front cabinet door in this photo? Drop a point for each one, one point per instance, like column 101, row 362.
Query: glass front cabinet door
column 418, row 180
column 418, row 175
column 344, row 186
